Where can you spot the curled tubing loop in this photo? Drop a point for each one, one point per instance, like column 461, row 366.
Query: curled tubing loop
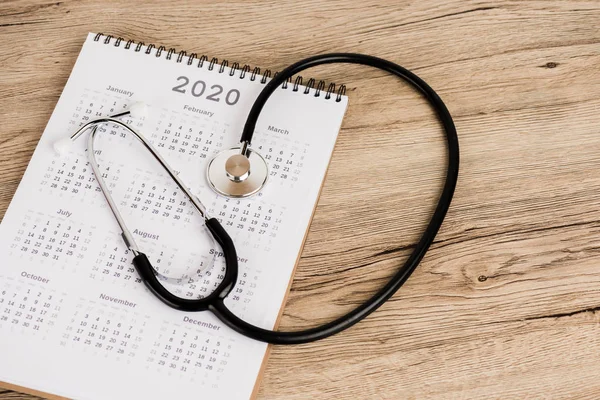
column 218, row 307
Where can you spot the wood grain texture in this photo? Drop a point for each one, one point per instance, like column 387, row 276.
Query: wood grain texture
column 506, row 305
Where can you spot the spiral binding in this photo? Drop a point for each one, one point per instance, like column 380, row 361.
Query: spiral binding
column 244, row 70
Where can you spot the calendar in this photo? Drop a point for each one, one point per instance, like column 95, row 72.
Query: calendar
column 75, row 318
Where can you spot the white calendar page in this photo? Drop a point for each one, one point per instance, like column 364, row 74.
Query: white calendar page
column 75, row 319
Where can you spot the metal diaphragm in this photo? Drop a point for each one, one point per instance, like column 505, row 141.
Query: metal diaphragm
column 236, row 175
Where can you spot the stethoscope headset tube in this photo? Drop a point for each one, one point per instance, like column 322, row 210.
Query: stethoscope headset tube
column 215, row 302
column 140, row 260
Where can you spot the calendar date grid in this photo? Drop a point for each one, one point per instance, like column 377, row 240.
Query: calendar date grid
column 105, row 330
column 199, row 356
column 51, row 239
column 27, row 307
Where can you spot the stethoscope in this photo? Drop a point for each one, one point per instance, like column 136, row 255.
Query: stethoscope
column 240, row 172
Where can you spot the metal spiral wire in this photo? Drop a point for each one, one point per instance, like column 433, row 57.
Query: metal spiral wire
column 244, row 70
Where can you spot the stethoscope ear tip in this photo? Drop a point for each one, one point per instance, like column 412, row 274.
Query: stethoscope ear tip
column 61, row 146
column 139, row 109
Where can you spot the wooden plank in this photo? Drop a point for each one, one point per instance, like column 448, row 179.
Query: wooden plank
column 506, row 303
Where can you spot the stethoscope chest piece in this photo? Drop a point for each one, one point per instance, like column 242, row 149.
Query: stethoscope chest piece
column 232, row 173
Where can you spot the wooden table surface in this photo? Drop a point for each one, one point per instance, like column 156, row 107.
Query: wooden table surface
column 506, row 304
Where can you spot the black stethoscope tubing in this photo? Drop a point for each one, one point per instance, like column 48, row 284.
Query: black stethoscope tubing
column 216, row 301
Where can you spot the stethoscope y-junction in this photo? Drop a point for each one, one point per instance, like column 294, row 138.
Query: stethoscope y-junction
column 241, row 172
